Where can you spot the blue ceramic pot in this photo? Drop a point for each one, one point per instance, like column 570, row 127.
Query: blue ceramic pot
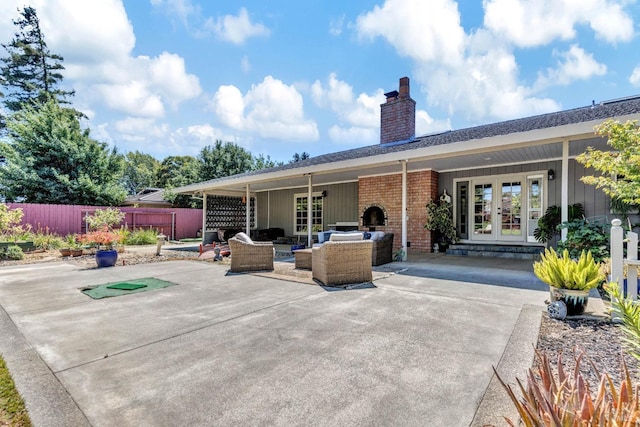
column 106, row 258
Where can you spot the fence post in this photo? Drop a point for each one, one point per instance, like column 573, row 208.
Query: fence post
column 632, row 269
column 617, row 252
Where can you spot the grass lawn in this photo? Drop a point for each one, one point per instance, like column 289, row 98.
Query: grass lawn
column 12, row 410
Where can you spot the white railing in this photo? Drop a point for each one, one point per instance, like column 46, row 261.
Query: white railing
column 618, row 261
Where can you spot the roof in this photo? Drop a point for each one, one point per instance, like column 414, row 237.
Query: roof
column 594, row 112
column 148, row 195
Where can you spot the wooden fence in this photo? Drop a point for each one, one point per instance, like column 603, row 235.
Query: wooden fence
column 618, row 261
column 176, row 223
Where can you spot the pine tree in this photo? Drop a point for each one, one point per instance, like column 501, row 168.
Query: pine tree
column 30, row 73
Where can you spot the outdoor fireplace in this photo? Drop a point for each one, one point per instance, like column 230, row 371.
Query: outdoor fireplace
column 374, row 216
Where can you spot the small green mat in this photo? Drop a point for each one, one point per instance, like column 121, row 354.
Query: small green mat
column 126, row 287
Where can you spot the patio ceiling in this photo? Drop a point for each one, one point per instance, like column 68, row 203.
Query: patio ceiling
column 480, row 159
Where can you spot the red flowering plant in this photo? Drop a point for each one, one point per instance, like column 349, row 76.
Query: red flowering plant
column 101, row 225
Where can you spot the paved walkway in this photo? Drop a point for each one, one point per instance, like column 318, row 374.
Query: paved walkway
column 220, row 349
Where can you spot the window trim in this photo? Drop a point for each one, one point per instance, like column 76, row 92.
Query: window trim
column 315, row 194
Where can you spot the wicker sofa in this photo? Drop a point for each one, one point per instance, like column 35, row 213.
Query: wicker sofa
column 339, row 263
column 382, row 250
column 247, row 255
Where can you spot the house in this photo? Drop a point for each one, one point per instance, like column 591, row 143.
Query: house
column 148, row 198
column 501, row 177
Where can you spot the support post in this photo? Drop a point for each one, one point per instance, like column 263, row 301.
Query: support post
column 204, row 217
column 564, row 185
column 404, row 210
column 248, row 211
column 309, row 213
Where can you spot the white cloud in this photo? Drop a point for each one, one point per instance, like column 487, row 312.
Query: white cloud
column 237, row 29
column 538, row 22
column 271, row 109
column 575, row 64
column 634, row 78
column 133, row 98
column 245, row 65
column 426, row 124
column 361, row 114
column 424, row 31
column 336, row 25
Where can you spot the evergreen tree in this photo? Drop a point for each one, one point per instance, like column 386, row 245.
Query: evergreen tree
column 30, row 72
column 177, row 171
column 299, row 157
column 49, row 158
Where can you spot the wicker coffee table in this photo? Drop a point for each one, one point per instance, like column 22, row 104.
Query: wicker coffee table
column 303, row 258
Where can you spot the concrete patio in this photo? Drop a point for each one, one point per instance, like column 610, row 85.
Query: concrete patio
column 220, row 349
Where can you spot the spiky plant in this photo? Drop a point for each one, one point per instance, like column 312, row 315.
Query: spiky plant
column 629, row 312
column 565, row 399
column 565, row 273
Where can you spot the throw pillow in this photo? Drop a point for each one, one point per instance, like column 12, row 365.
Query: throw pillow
column 345, row 237
column 244, row 238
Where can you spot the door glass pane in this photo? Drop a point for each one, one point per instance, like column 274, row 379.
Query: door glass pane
column 462, row 209
column 482, row 208
column 511, row 209
column 534, row 189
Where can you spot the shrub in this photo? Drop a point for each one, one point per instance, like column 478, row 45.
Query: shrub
column 44, row 239
column 629, row 312
column 142, row 237
column 584, row 235
column 10, row 220
column 565, row 273
column 12, row 252
column 105, row 219
column 565, row 399
column 549, row 222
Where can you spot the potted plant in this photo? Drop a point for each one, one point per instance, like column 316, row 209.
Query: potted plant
column 102, row 235
column 440, row 222
column 569, row 280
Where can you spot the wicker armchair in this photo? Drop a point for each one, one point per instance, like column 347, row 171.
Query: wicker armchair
column 339, row 263
column 247, row 255
column 383, row 250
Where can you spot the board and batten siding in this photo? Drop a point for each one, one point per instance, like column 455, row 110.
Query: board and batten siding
column 340, row 204
column 595, row 202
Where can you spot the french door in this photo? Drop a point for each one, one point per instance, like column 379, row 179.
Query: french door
column 504, row 208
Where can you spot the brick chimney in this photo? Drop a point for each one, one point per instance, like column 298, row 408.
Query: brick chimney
column 398, row 115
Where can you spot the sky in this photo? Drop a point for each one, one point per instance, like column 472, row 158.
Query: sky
column 169, row 77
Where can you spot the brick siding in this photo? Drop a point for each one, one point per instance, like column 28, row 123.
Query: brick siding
column 386, row 191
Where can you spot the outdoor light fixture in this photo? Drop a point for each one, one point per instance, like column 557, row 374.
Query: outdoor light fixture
column 324, row 193
column 551, row 175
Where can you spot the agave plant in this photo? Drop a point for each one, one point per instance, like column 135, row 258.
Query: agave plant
column 565, row 273
column 565, row 399
column 629, row 312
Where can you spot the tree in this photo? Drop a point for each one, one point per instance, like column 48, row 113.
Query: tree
column 176, row 171
column 224, row 159
column 299, row 157
column 51, row 159
column 140, row 172
column 262, row 162
column 30, row 72
column 620, row 168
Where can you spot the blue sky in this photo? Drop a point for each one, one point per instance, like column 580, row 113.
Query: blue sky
column 168, row 77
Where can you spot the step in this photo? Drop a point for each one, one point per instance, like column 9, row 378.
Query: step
column 497, row 251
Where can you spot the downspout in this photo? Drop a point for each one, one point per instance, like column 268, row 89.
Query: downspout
column 404, row 210
column 248, row 211
column 309, row 213
column 564, row 185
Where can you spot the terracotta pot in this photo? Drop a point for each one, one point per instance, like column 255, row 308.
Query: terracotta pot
column 76, row 252
column 65, row 251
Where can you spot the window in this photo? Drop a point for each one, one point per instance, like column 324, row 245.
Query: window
column 300, row 213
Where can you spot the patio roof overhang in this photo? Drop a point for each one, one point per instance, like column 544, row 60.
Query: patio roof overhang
column 515, row 148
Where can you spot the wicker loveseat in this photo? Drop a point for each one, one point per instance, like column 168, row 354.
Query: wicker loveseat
column 339, row 263
column 247, row 255
column 382, row 250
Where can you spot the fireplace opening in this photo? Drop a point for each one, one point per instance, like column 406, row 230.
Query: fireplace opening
column 374, row 216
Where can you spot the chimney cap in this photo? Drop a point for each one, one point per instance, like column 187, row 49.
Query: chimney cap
column 392, row 94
